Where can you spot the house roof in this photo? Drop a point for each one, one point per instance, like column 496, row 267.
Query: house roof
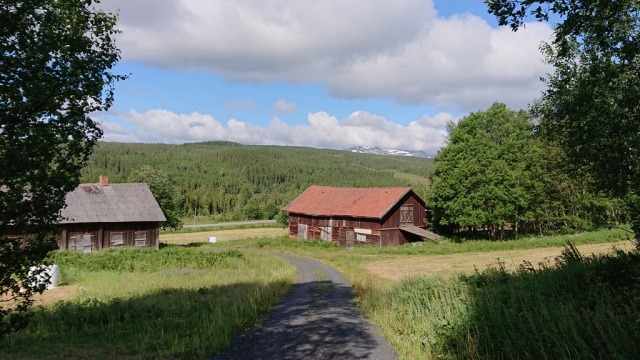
column 353, row 202
column 95, row 203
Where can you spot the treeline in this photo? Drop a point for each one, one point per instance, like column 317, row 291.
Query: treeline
column 229, row 181
column 497, row 178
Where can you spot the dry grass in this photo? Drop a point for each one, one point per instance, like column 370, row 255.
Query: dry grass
column 54, row 295
column 222, row 235
column 448, row 265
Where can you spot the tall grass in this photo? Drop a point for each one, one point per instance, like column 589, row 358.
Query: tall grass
column 138, row 304
column 579, row 308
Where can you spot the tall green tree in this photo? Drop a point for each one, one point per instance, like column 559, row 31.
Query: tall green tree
column 163, row 190
column 495, row 177
column 591, row 106
column 55, row 69
column 484, row 178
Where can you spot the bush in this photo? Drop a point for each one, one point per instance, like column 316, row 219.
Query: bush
column 144, row 260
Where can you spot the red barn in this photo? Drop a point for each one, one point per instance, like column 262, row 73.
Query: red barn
column 381, row 216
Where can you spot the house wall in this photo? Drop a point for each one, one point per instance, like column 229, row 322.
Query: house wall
column 345, row 230
column 72, row 236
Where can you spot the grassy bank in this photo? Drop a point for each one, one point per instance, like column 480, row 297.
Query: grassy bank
column 141, row 304
column 581, row 307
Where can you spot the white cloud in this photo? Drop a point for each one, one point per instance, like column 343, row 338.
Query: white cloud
column 396, row 49
column 321, row 130
column 282, row 106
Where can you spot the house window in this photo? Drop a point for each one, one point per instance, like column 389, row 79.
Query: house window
column 82, row 242
column 361, row 237
column 406, row 215
column 141, row 239
column 116, row 239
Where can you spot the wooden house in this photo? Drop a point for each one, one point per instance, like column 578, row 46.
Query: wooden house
column 381, row 216
column 103, row 215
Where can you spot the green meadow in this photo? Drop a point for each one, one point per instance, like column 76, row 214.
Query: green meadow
column 189, row 301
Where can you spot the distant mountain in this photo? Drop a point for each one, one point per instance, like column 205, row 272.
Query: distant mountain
column 382, row 151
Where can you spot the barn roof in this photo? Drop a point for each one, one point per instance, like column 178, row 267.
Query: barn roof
column 353, row 202
column 95, row 203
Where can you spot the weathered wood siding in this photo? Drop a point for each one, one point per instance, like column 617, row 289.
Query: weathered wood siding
column 393, row 218
column 98, row 236
column 382, row 232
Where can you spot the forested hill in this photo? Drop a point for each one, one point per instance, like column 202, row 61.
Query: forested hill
column 232, row 181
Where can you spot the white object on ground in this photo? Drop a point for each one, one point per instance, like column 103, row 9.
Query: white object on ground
column 50, row 275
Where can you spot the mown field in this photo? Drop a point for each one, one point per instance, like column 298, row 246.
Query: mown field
column 529, row 298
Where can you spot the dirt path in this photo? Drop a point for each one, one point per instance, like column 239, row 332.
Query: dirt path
column 317, row 320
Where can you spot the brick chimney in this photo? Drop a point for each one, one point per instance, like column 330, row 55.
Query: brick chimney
column 104, row 180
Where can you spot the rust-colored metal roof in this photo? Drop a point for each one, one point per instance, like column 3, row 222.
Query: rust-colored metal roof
column 352, row 202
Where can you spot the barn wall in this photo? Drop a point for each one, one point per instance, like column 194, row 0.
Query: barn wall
column 101, row 235
column 384, row 232
column 392, row 220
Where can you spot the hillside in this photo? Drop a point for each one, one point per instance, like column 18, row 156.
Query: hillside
column 229, row 181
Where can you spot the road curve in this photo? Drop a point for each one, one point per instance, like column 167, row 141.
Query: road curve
column 316, row 320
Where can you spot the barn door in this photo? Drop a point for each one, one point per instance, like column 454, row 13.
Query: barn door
column 406, row 215
column 302, row 231
column 350, row 239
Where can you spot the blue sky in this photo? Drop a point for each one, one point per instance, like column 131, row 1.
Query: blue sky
column 326, row 74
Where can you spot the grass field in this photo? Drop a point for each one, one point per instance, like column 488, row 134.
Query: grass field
column 187, row 238
column 400, row 268
column 506, row 306
column 175, row 303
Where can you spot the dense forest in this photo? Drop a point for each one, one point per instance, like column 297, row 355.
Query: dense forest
column 229, row 181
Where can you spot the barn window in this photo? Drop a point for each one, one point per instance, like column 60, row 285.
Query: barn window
column 406, row 215
column 116, row 239
column 141, row 238
column 82, row 242
column 361, row 237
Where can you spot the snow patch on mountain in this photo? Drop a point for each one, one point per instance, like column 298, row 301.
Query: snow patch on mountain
column 375, row 150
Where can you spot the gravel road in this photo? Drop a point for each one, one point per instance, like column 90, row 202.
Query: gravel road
column 317, row 320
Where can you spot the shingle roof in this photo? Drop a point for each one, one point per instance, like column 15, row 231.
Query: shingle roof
column 353, row 202
column 94, row 203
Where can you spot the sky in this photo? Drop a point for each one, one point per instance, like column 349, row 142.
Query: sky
column 324, row 74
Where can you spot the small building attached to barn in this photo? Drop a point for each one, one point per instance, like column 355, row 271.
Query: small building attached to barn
column 103, row 215
column 381, row 216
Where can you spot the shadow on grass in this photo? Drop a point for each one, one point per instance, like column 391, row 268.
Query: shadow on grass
column 587, row 308
column 167, row 323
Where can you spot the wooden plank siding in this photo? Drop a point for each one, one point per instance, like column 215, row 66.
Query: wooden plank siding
column 344, row 230
column 101, row 234
column 392, row 220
